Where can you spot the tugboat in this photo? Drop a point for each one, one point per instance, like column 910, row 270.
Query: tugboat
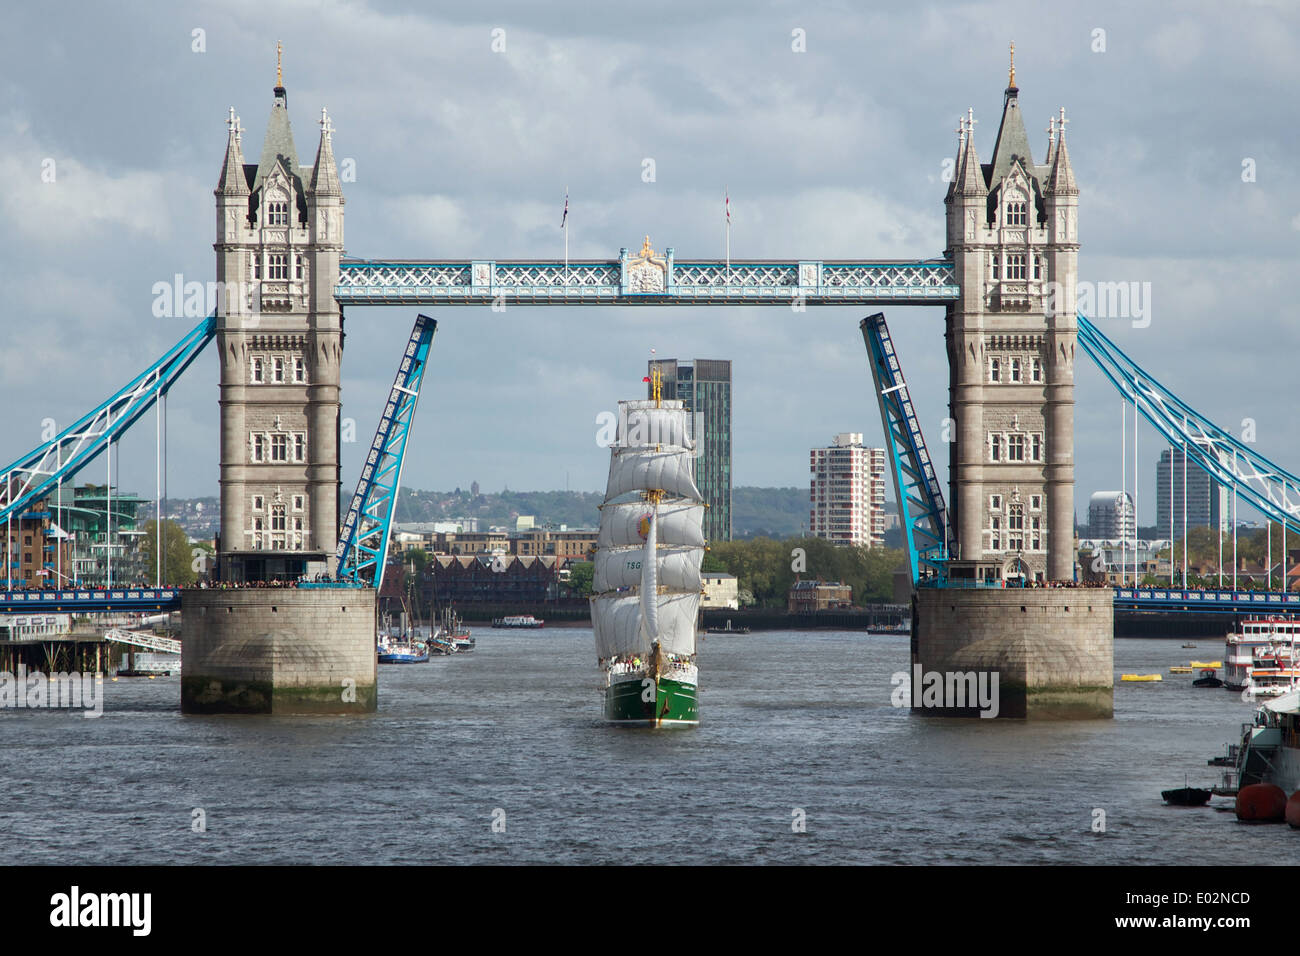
column 647, row 584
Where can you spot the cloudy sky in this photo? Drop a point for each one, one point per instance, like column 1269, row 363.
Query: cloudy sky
column 461, row 152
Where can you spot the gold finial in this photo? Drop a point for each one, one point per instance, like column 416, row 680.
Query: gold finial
column 279, row 73
column 646, row 251
column 1011, row 83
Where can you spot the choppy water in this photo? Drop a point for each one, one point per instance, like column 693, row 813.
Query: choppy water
column 788, row 721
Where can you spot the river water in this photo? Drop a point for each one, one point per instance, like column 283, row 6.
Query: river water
column 794, row 726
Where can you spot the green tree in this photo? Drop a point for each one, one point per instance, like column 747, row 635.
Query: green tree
column 581, row 574
column 177, row 554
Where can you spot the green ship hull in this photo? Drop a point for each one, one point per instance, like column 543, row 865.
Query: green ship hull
column 640, row 703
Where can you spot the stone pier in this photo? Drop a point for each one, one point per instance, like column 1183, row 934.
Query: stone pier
column 1052, row 648
column 278, row 651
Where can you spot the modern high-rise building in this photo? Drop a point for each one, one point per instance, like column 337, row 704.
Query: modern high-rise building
column 1206, row 498
column 847, row 493
column 1111, row 515
column 704, row 386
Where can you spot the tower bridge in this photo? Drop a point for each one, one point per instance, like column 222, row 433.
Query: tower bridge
column 1006, row 278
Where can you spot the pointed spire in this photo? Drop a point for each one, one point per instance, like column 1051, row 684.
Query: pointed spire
column 1061, row 178
column 1011, row 81
column 971, row 181
column 1012, row 142
column 278, row 144
column 1051, row 141
column 324, row 174
column 961, row 149
column 232, row 182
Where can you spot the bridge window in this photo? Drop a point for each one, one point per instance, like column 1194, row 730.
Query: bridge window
column 1035, row 502
column 299, row 369
column 257, row 266
column 1015, row 370
column 259, row 447
column 995, row 370
column 257, row 375
column 995, row 526
column 996, row 447
column 297, row 502
column 995, row 502
column 258, row 502
column 299, row 446
column 1036, row 447
column 1035, row 370
column 1016, row 528
column 1015, row 450
column 277, row 214
column 279, row 448
column 277, row 266
column 1038, row 267
column 1015, row 266
column 1035, row 533
column 297, row 267
column 995, row 264
column 277, row 370
column 1016, row 214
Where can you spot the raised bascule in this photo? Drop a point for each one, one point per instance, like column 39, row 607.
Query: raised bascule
column 1007, row 281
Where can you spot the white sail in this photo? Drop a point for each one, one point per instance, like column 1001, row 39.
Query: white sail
column 680, row 524
column 633, row 469
column 650, row 583
column 679, row 568
column 645, row 425
column 617, row 625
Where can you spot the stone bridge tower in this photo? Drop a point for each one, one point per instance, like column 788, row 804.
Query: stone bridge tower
column 279, row 239
column 1012, row 235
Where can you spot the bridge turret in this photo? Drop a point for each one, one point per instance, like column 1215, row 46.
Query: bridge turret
column 1061, row 208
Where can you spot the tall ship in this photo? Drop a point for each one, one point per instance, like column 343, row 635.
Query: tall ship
column 646, row 587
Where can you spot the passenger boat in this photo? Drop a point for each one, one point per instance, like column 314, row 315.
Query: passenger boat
column 1254, row 638
column 646, row 583
column 1140, row 677
column 518, row 620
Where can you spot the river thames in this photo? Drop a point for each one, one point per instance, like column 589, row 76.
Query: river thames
column 795, row 727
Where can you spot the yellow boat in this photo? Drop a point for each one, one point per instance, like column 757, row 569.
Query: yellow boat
column 1215, row 664
column 1180, row 669
column 1139, row 677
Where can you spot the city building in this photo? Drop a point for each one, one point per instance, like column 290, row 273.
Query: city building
column 1112, row 560
column 720, row 590
column 808, row 597
column 37, row 549
column 1207, row 500
column 1111, row 515
column 704, row 386
column 848, row 492
column 97, row 541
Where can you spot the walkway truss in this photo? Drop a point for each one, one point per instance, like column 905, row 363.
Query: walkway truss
column 363, row 541
column 36, row 474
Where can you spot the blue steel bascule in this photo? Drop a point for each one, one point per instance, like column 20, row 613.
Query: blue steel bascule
column 363, row 540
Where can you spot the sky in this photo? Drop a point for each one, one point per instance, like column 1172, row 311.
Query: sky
column 1182, row 133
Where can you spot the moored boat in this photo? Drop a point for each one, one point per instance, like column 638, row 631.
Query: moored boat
column 518, row 621
column 1256, row 637
column 647, row 584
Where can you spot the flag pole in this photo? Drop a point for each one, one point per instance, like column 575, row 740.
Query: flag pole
column 564, row 224
column 727, row 204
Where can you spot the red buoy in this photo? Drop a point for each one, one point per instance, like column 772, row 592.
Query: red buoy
column 1293, row 810
column 1262, row 803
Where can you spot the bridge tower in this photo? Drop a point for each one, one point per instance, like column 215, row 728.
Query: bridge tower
column 280, row 335
column 279, row 239
column 1012, row 236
